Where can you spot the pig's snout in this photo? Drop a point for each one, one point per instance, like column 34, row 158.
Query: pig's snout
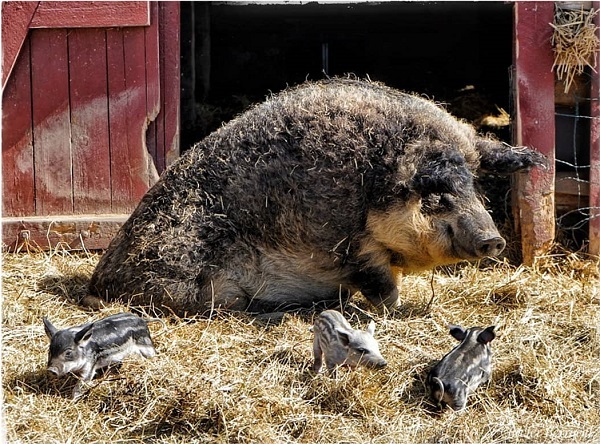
column 377, row 364
column 490, row 247
column 381, row 364
column 53, row 370
column 457, row 405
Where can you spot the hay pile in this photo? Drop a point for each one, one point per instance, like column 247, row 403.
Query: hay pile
column 232, row 379
column 575, row 43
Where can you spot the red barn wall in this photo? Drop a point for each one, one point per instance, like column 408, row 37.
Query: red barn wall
column 90, row 116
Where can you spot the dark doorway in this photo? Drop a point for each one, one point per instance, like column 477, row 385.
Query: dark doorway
column 234, row 54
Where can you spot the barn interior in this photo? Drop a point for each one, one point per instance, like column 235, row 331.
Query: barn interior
column 234, row 54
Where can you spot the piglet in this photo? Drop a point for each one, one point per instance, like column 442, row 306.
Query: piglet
column 343, row 345
column 87, row 349
column 464, row 368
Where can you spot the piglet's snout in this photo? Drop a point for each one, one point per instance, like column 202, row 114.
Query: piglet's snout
column 380, row 364
column 375, row 363
column 53, row 370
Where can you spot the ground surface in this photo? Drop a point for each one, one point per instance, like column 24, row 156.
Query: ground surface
column 232, row 379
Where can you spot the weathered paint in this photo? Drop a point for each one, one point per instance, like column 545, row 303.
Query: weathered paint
column 594, row 199
column 89, row 120
column 17, row 142
column 20, row 16
column 132, row 168
column 534, row 84
column 76, row 110
column 51, row 126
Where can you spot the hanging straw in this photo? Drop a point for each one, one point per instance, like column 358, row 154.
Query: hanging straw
column 575, row 43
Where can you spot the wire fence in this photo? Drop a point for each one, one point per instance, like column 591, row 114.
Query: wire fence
column 573, row 211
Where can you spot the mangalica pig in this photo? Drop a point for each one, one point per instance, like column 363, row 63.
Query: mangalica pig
column 342, row 345
column 325, row 189
column 464, row 368
column 87, row 349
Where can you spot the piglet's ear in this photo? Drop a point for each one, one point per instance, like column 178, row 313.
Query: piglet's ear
column 499, row 158
column 84, row 335
column 487, row 335
column 457, row 332
column 344, row 337
column 371, row 328
column 49, row 328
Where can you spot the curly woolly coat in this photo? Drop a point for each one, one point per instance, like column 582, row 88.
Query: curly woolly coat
column 324, row 189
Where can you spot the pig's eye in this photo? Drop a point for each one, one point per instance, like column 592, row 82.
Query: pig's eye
column 437, row 203
column 362, row 351
column 69, row 354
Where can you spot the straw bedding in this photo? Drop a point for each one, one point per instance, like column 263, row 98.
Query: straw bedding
column 234, row 379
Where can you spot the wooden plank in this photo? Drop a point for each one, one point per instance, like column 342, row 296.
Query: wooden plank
column 135, row 63
column 132, row 170
column 67, row 14
column 153, row 89
column 594, row 199
column 51, row 126
column 152, row 64
column 170, row 41
column 89, row 121
column 91, row 232
column 534, row 82
column 16, row 17
column 17, row 141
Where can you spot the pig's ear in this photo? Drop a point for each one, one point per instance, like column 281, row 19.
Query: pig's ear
column 442, row 172
column 437, row 389
column 500, row 158
column 83, row 335
column 371, row 328
column 457, row 332
column 487, row 335
column 49, row 328
column 344, row 337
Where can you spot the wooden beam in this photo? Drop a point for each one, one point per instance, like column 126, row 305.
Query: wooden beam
column 91, row 232
column 534, row 100
column 170, row 66
column 67, row 14
column 594, row 200
column 16, row 17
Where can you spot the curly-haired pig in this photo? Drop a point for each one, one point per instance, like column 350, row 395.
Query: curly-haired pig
column 343, row 345
column 322, row 190
column 87, row 349
column 464, row 368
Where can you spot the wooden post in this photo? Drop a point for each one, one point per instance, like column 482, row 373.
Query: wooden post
column 594, row 203
column 534, row 101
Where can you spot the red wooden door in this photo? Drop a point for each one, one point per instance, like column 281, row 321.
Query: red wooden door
column 90, row 116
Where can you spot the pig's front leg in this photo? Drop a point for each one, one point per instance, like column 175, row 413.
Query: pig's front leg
column 378, row 285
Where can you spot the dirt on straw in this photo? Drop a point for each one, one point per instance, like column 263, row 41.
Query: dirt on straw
column 233, row 379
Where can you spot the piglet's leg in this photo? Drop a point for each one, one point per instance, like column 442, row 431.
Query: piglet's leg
column 318, row 353
column 85, row 378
